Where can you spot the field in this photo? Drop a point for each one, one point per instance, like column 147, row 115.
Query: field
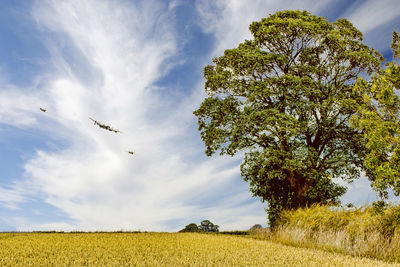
column 160, row 249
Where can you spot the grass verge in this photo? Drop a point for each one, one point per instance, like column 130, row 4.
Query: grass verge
column 365, row 232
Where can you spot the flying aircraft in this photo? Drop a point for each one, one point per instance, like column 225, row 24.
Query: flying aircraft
column 130, row 152
column 43, row 109
column 104, row 126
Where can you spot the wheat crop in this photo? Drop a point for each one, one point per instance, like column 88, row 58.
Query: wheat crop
column 159, row 249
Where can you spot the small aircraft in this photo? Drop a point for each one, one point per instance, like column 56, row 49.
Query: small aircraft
column 104, row 126
column 130, row 152
column 43, row 109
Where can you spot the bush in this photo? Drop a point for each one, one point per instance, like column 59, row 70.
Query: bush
column 234, row 232
column 192, row 227
column 256, row 227
column 207, row 226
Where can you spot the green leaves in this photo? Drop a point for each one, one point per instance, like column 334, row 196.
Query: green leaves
column 285, row 97
column 379, row 118
column 396, row 45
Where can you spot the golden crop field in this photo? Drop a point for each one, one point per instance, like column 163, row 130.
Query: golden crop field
column 159, row 249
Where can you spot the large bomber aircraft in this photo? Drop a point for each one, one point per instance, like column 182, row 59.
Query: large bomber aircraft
column 104, row 126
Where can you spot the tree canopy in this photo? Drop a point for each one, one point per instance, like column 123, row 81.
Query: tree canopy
column 378, row 117
column 285, row 98
column 205, row 226
column 208, row 226
column 191, row 227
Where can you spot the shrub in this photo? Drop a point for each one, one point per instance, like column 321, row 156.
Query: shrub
column 208, row 226
column 192, row 227
column 256, row 227
column 205, row 226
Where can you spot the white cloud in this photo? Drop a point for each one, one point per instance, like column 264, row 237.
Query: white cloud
column 359, row 192
column 17, row 107
column 25, row 226
column 373, row 14
column 11, row 197
column 105, row 58
column 229, row 20
column 95, row 181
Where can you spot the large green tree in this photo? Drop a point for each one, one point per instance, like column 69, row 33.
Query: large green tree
column 378, row 117
column 285, row 97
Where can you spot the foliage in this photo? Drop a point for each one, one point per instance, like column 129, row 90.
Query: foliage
column 379, row 118
column 192, row 227
column 234, row 232
column 379, row 206
column 159, row 249
column 207, row 226
column 285, row 98
column 256, row 227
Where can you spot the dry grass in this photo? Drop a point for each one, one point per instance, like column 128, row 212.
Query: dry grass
column 359, row 232
column 160, row 249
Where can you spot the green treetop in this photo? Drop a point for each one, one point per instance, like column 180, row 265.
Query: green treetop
column 379, row 118
column 285, row 97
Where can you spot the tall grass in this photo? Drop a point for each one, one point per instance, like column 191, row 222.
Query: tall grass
column 366, row 231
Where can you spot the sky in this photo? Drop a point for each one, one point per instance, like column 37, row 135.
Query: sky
column 137, row 66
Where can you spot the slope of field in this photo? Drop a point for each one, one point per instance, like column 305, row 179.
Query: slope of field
column 159, row 249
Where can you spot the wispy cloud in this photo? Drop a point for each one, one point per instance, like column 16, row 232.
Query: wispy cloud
column 95, row 181
column 11, row 197
column 105, row 58
column 17, row 107
column 373, row 14
column 229, row 20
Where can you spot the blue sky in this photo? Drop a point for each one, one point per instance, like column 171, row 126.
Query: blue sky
column 136, row 65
